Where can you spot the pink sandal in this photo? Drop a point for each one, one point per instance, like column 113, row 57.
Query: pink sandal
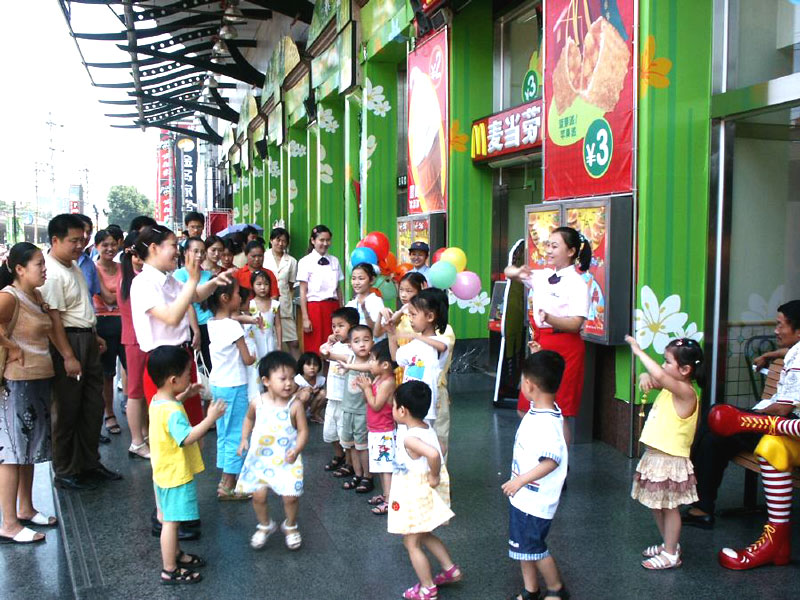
column 451, row 575
column 421, row 593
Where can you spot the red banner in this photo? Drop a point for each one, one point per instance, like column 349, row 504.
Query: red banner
column 428, row 138
column 164, row 199
column 517, row 130
column 589, row 93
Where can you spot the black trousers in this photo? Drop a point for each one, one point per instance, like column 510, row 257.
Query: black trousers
column 77, row 412
column 710, row 455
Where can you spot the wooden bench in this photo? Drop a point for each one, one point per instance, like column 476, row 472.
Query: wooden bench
column 748, row 460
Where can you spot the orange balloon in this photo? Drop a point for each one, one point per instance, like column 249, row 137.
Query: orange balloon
column 401, row 270
column 391, row 261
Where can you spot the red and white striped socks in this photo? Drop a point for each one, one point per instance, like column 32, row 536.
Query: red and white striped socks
column 778, row 490
column 790, row 427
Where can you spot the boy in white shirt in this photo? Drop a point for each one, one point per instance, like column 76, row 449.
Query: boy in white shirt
column 337, row 348
column 538, row 471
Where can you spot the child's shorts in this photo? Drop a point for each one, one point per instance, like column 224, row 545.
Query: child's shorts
column 381, row 451
column 526, row 535
column 333, row 420
column 178, row 503
column 353, row 431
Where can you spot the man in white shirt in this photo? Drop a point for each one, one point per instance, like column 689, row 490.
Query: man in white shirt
column 78, row 382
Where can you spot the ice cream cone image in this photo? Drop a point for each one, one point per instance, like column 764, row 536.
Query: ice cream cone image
column 426, row 142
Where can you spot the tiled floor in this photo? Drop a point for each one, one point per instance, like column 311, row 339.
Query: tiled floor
column 347, row 554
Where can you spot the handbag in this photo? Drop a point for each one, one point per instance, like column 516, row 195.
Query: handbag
column 9, row 331
column 202, row 376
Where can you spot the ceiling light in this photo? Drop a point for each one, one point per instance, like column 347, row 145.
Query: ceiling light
column 219, row 48
column 232, row 14
column 228, row 32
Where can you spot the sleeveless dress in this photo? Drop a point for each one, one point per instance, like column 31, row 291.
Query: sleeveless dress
column 265, row 464
column 265, row 337
column 414, row 506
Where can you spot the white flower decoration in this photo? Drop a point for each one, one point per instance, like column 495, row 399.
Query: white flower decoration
column 451, row 297
column 274, row 168
column 235, row 186
column 372, row 95
column 381, row 108
column 256, row 206
column 655, row 322
column 273, row 197
column 478, row 303
column 761, row 309
column 235, row 212
column 326, row 120
column 291, row 207
column 292, row 190
column 245, row 183
column 246, row 209
column 296, row 149
column 257, row 172
column 368, row 149
column 325, row 173
column 690, row 332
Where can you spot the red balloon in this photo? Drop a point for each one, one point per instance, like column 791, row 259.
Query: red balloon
column 437, row 255
column 360, row 244
column 401, row 270
column 377, row 242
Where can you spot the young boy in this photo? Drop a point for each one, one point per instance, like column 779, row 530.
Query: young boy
column 353, row 425
column 342, row 320
column 175, row 457
column 418, row 255
column 538, row 471
column 195, row 224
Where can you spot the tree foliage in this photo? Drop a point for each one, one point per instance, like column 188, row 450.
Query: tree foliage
column 126, row 202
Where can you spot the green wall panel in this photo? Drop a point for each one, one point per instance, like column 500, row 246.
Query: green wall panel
column 296, row 206
column 469, row 210
column 257, row 213
column 352, row 225
column 274, row 184
column 331, row 179
column 237, row 197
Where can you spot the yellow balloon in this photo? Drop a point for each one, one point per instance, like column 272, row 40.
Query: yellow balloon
column 456, row 257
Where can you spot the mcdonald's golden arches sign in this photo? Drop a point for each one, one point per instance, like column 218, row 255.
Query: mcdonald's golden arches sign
column 514, row 131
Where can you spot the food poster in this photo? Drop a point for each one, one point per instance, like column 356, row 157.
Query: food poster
column 591, row 222
column 589, row 97
column 541, row 223
column 404, row 229
column 428, row 140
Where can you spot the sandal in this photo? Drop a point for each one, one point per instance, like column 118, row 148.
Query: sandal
column 225, row 494
column 139, row 450
column 662, row 561
column 189, row 560
column 351, row 484
column 344, row 471
column 40, row 520
column 656, row 549
column 383, row 509
column 335, row 463
column 260, row 537
column 421, row 593
column 24, row 536
column 526, row 595
column 451, row 575
column 365, row 486
column 376, row 500
column 115, row 428
column 179, row 576
column 562, row 593
column 293, row 538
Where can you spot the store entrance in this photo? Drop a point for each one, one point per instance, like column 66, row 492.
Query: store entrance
column 762, row 269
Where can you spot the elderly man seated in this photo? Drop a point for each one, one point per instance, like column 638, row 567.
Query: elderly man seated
column 778, row 449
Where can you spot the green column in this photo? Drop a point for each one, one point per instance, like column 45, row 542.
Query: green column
column 469, row 206
column 312, row 177
column 237, row 197
column 379, row 148
column 297, row 185
column 245, row 182
column 258, row 211
column 274, row 184
column 332, row 182
column 352, row 228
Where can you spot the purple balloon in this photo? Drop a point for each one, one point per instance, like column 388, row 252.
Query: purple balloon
column 467, row 285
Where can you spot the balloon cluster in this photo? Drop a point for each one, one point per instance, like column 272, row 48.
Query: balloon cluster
column 447, row 270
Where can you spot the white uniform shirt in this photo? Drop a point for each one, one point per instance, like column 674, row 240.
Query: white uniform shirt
column 228, row 368
column 151, row 288
column 374, row 305
column 323, row 280
column 540, row 435
column 569, row 297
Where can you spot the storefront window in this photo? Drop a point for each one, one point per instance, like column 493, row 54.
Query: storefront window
column 518, row 56
column 764, row 263
column 763, row 41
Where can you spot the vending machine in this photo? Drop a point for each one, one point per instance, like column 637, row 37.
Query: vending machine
column 429, row 228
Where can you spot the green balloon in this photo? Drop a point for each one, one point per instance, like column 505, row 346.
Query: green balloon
column 388, row 290
column 442, row 275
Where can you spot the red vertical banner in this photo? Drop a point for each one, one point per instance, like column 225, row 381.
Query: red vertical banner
column 428, row 136
column 164, row 199
column 589, row 97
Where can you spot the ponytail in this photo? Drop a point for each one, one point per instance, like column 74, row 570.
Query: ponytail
column 20, row 254
column 126, row 260
column 575, row 240
column 6, row 276
column 688, row 353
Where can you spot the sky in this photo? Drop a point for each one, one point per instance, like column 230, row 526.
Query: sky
column 43, row 80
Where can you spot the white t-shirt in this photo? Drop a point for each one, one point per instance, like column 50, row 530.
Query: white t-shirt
column 374, row 305
column 423, row 363
column 337, row 376
column 228, row 368
column 301, row 381
column 540, row 435
column 66, row 291
column 569, row 297
column 149, row 289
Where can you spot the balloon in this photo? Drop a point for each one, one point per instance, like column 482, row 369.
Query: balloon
column 363, row 255
column 401, row 270
column 360, row 244
column 378, row 242
column 437, row 255
column 388, row 265
column 467, row 285
column 456, row 257
column 388, row 291
column 442, row 275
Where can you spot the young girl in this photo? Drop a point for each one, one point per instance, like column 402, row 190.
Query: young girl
column 368, row 303
column 275, row 427
column 420, row 497
column 665, row 478
column 214, row 246
column 269, row 334
column 201, row 316
column 228, row 380
column 319, row 275
column 251, row 324
column 380, row 424
column 311, row 382
column 227, row 255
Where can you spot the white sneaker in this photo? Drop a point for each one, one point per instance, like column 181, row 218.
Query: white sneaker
column 262, row 534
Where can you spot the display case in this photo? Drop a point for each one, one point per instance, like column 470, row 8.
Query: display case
column 607, row 222
column 428, row 228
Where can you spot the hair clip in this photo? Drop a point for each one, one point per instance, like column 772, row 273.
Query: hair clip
column 583, row 237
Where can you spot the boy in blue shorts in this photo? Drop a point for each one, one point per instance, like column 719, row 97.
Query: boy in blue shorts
column 538, row 471
column 175, row 457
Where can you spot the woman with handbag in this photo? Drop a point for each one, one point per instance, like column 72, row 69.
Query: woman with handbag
column 25, row 402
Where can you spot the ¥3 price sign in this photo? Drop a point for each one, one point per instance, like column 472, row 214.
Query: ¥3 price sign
column 598, row 147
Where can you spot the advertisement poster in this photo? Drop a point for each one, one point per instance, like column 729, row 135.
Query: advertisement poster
column 589, row 95
column 164, row 199
column 591, row 222
column 428, row 140
column 540, row 225
column 410, row 230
